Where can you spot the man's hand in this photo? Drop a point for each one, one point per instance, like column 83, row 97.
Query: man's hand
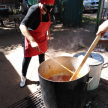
column 26, row 33
column 35, row 45
column 103, row 28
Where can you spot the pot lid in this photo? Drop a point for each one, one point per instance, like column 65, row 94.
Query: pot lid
column 93, row 59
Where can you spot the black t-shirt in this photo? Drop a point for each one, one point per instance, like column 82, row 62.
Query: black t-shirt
column 32, row 19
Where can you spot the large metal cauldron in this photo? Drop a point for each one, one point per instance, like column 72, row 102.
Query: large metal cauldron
column 71, row 94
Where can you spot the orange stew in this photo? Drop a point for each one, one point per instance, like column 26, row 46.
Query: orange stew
column 60, row 78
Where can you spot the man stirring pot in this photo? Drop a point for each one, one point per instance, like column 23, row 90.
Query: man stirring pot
column 35, row 29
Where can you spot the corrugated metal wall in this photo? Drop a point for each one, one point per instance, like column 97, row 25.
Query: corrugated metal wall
column 72, row 15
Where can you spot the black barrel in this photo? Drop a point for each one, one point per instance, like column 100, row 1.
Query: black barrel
column 71, row 94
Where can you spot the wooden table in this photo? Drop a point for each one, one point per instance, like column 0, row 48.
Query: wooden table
column 103, row 41
column 16, row 18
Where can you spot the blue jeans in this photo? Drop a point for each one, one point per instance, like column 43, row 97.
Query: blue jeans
column 26, row 62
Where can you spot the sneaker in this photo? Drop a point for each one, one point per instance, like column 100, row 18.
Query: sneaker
column 23, row 80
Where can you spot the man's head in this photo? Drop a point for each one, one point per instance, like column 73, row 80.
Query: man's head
column 47, row 1
column 48, row 4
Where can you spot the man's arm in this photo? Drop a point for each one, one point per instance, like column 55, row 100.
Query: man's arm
column 26, row 33
column 103, row 28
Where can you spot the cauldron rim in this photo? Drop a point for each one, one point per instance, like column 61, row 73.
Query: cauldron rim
column 63, row 81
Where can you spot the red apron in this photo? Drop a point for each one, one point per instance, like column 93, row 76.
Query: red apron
column 40, row 37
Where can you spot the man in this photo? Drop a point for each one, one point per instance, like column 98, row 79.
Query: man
column 23, row 6
column 35, row 29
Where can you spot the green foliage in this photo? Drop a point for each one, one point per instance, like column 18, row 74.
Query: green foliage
column 32, row 2
column 81, row 46
column 16, row 11
column 59, row 4
column 89, row 20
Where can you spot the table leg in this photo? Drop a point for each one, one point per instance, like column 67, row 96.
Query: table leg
column 15, row 24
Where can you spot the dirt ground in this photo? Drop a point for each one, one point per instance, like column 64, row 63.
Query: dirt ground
column 64, row 41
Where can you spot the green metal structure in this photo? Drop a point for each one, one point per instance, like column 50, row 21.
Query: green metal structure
column 72, row 15
column 96, row 26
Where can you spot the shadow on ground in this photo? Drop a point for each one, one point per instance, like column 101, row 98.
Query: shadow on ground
column 11, row 56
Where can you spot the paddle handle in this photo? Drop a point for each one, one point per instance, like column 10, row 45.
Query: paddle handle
column 86, row 56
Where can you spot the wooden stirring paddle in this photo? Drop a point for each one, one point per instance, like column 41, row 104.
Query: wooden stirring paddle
column 86, row 56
